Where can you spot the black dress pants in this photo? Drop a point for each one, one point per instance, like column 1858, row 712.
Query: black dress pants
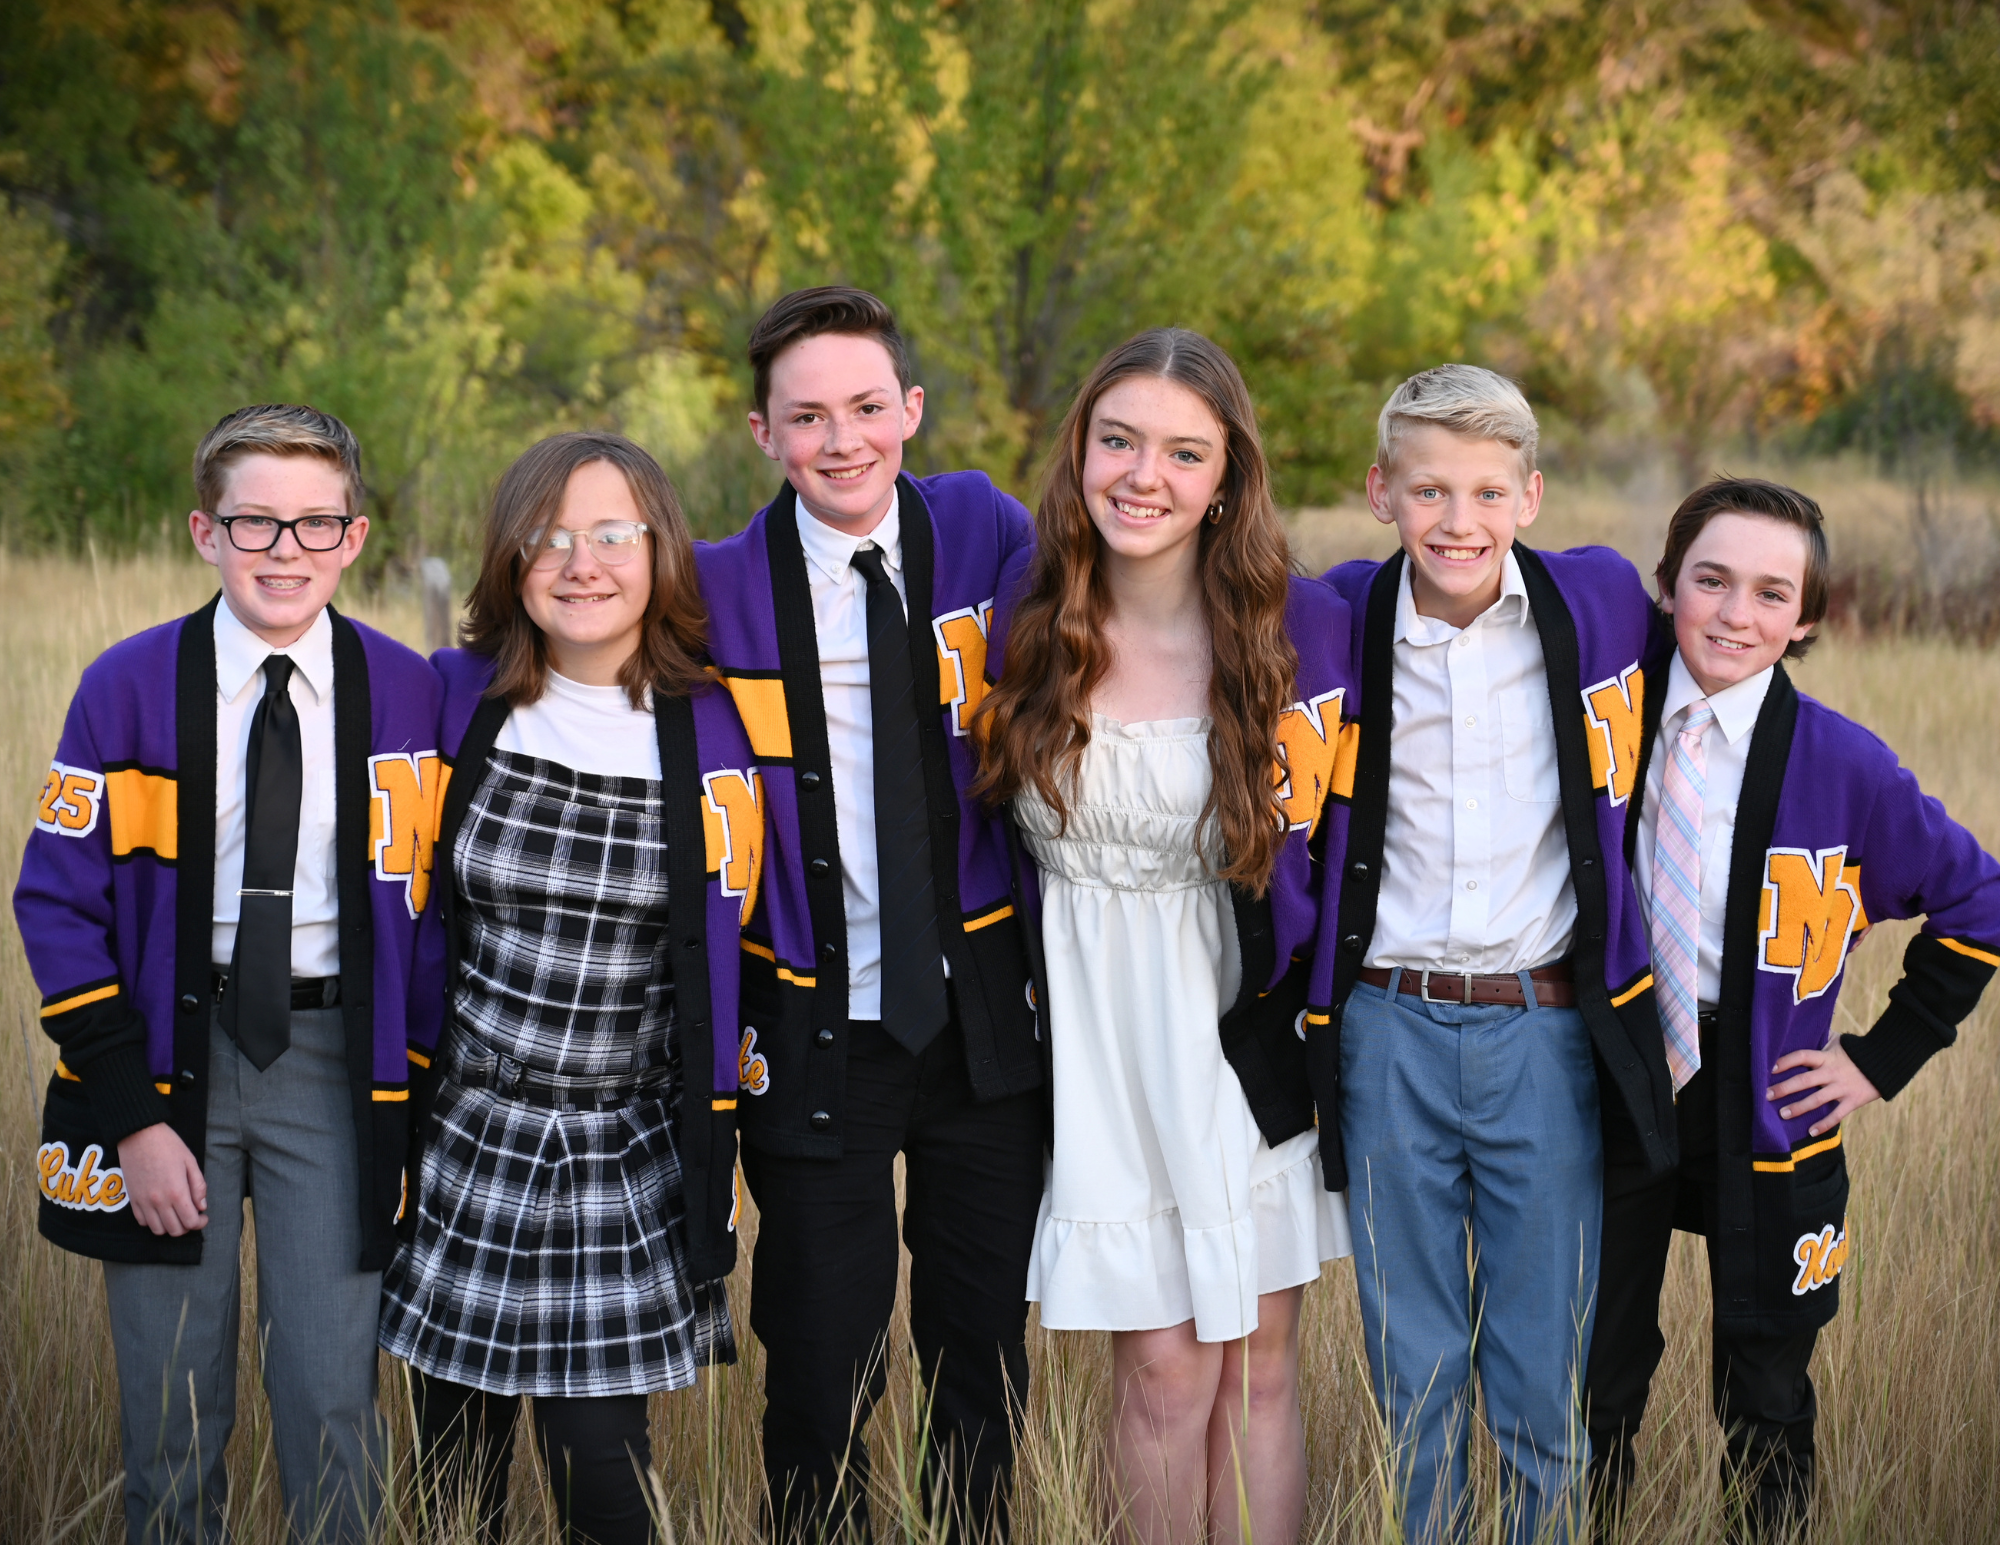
column 823, row 1285
column 1759, row 1385
column 595, row 1446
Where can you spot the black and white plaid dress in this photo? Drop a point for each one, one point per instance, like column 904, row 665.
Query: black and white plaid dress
column 550, row 1253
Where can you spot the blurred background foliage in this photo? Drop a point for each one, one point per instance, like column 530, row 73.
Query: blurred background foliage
column 461, row 224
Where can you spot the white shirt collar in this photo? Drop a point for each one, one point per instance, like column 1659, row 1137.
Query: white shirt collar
column 831, row 550
column 1415, row 628
column 1736, row 707
column 240, row 655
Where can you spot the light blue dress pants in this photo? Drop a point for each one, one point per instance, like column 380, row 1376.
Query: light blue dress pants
column 287, row 1132
column 1480, row 1124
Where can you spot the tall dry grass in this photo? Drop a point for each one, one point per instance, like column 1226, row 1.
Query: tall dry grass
column 1909, row 1376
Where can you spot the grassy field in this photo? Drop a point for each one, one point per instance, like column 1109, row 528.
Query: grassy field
column 1909, row 1376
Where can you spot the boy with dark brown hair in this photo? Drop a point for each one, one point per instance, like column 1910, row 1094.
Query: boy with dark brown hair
column 1766, row 834
column 886, row 998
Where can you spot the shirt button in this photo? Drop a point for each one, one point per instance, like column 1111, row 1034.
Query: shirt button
column 1471, row 719
column 1472, row 804
column 823, row 1039
column 808, row 781
column 1472, row 885
column 819, row 867
column 820, row 1120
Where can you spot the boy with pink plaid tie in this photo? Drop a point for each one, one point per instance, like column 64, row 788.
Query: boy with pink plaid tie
column 1766, row 833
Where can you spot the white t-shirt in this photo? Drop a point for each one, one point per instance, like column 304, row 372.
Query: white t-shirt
column 586, row 729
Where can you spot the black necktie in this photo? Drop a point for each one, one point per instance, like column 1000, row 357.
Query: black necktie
column 257, row 1006
column 913, row 1001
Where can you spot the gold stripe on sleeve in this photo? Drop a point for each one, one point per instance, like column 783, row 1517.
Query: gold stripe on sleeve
column 64, row 1005
column 1987, row 956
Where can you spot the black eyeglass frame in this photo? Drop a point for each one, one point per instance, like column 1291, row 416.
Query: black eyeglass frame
column 228, row 524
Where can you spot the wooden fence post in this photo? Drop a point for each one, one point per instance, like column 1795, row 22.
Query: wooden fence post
column 440, row 612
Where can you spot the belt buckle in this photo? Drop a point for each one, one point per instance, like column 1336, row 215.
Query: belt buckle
column 1464, row 1000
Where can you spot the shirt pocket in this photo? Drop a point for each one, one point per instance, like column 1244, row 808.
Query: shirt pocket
column 1528, row 747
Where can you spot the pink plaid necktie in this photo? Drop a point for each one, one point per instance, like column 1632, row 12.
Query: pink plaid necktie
column 1677, row 893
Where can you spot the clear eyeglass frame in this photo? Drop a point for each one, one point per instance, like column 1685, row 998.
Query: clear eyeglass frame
column 261, row 533
column 612, row 542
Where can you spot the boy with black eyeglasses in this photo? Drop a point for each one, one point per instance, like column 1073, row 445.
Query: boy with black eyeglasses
column 219, row 902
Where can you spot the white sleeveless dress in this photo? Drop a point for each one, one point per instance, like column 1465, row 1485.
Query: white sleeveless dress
column 1164, row 1203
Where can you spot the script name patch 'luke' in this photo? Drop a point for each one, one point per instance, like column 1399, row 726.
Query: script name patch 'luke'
column 89, row 1185
column 1615, row 711
column 1809, row 913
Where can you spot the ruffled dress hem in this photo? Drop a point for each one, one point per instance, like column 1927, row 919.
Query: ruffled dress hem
column 1142, row 1274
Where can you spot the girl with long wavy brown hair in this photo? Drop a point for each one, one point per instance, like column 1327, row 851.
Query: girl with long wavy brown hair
column 1151, row 662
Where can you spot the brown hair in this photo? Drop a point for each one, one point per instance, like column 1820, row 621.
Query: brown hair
column 1772, row 501
column 275, row 429
column 826, row 308
column 1034, row 725
column 526, row 501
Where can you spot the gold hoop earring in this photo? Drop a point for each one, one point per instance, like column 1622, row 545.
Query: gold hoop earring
column 1215, row 513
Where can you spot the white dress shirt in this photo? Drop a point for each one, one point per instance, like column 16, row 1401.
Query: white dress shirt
column 239, row 687
column 1726, row 744
column 840, row 617
column 586, row 729
column 1475, row 866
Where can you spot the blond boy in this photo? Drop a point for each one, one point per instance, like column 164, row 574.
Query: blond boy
column 1491, row 965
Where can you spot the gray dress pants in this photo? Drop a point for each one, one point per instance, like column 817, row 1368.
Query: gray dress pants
column 286, row 1134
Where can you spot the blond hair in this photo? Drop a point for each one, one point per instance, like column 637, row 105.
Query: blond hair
column 1465, row 399
column 275, row 429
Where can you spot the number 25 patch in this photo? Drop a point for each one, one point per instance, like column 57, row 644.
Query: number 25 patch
column 71, row 800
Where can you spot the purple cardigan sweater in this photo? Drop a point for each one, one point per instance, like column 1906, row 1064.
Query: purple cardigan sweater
column 1285, row 996
column 714, row 821
column 958, row 530
column 115, row 905
column 1832, row 835
column 1595, row 621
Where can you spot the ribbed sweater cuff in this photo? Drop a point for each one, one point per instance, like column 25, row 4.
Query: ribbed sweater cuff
column 1902, row 1041
column 122, row 1096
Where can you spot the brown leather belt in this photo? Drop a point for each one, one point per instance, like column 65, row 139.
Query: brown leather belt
column 1554, row 986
